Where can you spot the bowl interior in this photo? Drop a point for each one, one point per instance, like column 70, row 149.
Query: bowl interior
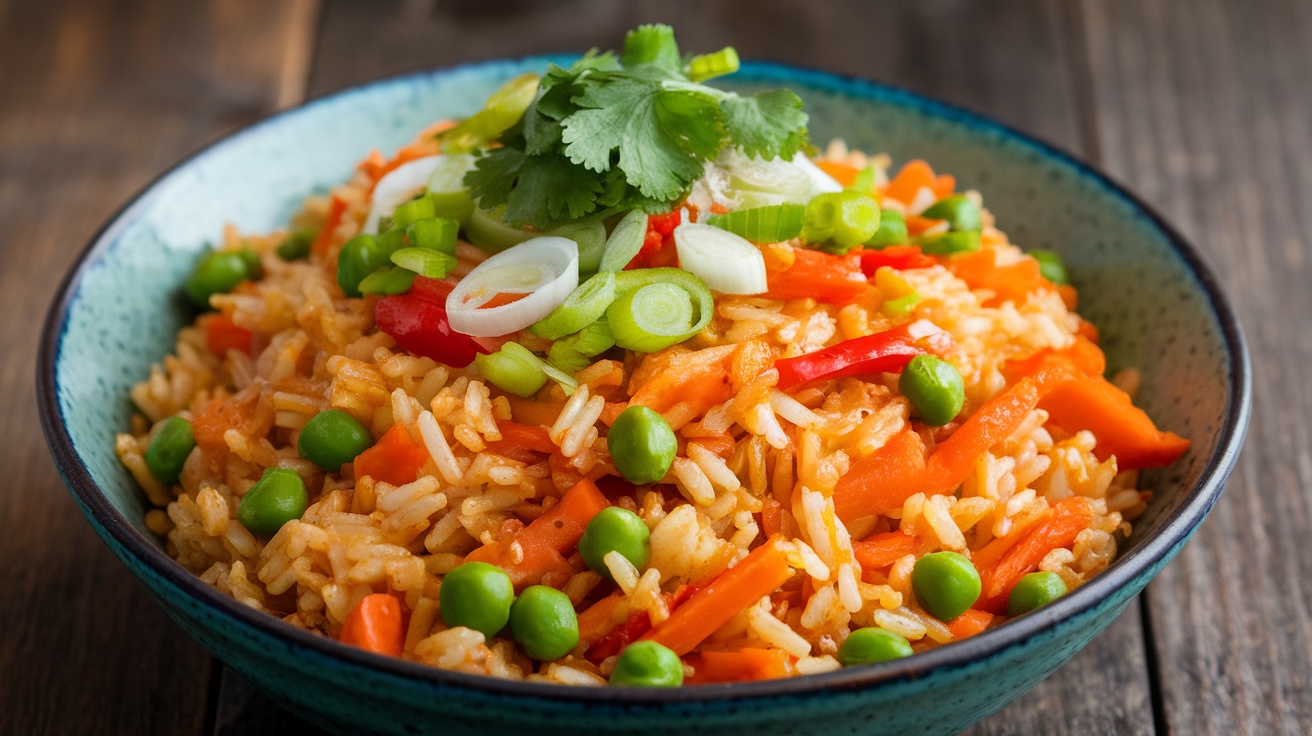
column 1143, row 294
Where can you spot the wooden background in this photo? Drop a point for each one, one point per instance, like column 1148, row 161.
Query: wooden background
column 1204, row 107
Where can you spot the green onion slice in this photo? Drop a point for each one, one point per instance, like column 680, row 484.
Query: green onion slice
column 592, row 340
column 658, row 307
column 864, row 181
column 1051, row 266
column 762, row 224
column 503, row 109
column 567, row 382
column 585, row 305
column 901, row 306
column 434, row 233
column 709, row 66
column 428, row 263
column 513, row 369
column 960, row 211
column 488, row 230
column 892, row 230
column 624, row 242
column 447, row 190
column 385, row 280
column 590, row 236
column 566, row 358
column 949, row 242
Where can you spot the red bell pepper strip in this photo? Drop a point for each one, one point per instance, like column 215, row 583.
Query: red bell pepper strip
column 417, row 321
column 899, row 257
column 882, row 352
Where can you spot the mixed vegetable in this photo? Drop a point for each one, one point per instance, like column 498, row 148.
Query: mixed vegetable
column 615, row 199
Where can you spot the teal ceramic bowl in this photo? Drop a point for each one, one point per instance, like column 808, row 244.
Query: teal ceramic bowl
column 1156, row 302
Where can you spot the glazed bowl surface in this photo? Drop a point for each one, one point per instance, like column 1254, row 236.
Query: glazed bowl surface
column 1156, row 303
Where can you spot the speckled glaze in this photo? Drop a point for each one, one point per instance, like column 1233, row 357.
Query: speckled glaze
column 1156, row 303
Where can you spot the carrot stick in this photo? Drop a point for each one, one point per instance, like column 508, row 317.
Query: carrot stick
column 970, row 623
column 883, row 550
column 735, row 590
column 817, row 275
column 601, row 617
column 324, row 240
column 1122, row 429
column 396, row 458
column 882, row 480
column 527, row 436
column 222, row 334
column 1012, row 282
column 990, row 553
column 907, row 183
column 1070, row 517
column 744, row 665
column 375, row 625
column 548, row 540
column 842, row 173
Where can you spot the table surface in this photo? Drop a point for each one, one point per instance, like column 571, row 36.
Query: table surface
column 1200, row 106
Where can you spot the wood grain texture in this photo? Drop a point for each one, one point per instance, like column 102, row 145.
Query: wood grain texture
column 1203, row 108
column 96, row 98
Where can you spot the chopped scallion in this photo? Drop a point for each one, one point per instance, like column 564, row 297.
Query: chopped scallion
column 434, row 233
column 297, row 245
column 585, row 305
column 1051, row 266
column 394, row 280
column 407, row 213
column 513, row 369
column 651, row 318
column 840, row 221
column 590, row 236
column 953, row 241
column 709, row 66
column 892, row 230
column 624, row 242
column 961, row 212
column 901, row 306
column 762, row 224
column 428, row 263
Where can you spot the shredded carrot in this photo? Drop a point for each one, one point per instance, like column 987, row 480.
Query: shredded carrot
column 882, row 550
column 882, row 480
column 733, row 591
column 970, row 623
column 842, row 173
column 222, row 334
column 534, row 413
column 396, row 458
column 816, row 275
column 1021, row 525
column 1122, row 429
column 912, row 177
column 324, row 240
column 1012, row 282
column 548, row 540
column 375, row 625
column 1070, row 516
column 743, row 665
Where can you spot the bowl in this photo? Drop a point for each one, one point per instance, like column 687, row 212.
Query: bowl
column 1154, row 299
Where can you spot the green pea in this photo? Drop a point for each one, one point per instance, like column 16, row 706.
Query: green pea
column 934, row 387
column 961, row 212
column 219, row 273
column 1051, row 266
column 647, row 664
column 642, row 445
column 615, row 530
column 333, row 438
column 871, row 645
column 169, row 450
column 544, row 623
column 360, row 257
column 297, row 245
column 945, row 584
column 1035, row 590
column 478, row 596
column 277, row 498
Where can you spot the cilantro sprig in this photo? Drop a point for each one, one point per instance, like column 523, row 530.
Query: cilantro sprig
column 608, row 134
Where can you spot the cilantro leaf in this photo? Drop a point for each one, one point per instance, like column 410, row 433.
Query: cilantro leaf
column 551, row 188
column 663, row 136
column 493, row 176
column 652, row 45
column 767, row 124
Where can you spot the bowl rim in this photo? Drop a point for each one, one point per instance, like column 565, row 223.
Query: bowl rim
column 1171, row 531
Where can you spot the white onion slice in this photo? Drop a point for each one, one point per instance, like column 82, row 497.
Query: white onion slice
column 737, row 181
column 728, row 263
column 398, row 186
column 546, row 268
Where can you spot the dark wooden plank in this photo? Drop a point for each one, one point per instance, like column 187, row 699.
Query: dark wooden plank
column 96, row 98
column 1203, row 108
column 938, row 47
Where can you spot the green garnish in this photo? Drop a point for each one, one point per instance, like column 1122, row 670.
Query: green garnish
column 635, row 132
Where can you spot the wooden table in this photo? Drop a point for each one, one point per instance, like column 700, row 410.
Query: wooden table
column 1201, row 106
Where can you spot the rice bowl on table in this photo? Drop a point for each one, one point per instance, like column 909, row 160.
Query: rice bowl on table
column 620, row 381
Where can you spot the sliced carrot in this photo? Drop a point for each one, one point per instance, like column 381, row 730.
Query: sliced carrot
column 917, row 225
column 1021, row 525
column 817, row 275
column 771, row 516
column 532, row 412
column 548, row 540
column 601, row 617
column 882, row 480
column 222, row 334
column 882, row 550
column 743, row 665
column 944, row 184
column 1070, row 516
column 970, row 623
column 533, row 438
column 1011, row 282
column 218, row 416
column 375, row 625
column 698, row 377
column 733, row 591
column 842, row 173
column 396, row 458
column 1095, row 404
column 909, row 179
column 324, row 240
column 1084, row 357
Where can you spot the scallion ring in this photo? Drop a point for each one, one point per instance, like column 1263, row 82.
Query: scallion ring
column 545, row 269
column 762, row 224
column 513, row 369
column 397, row 187
column 658, row 307
column 585, row 305
column 725, row 261
column 431, row 264
column 624, row 242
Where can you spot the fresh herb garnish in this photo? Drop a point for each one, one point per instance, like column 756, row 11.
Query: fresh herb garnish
column 610, row 134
